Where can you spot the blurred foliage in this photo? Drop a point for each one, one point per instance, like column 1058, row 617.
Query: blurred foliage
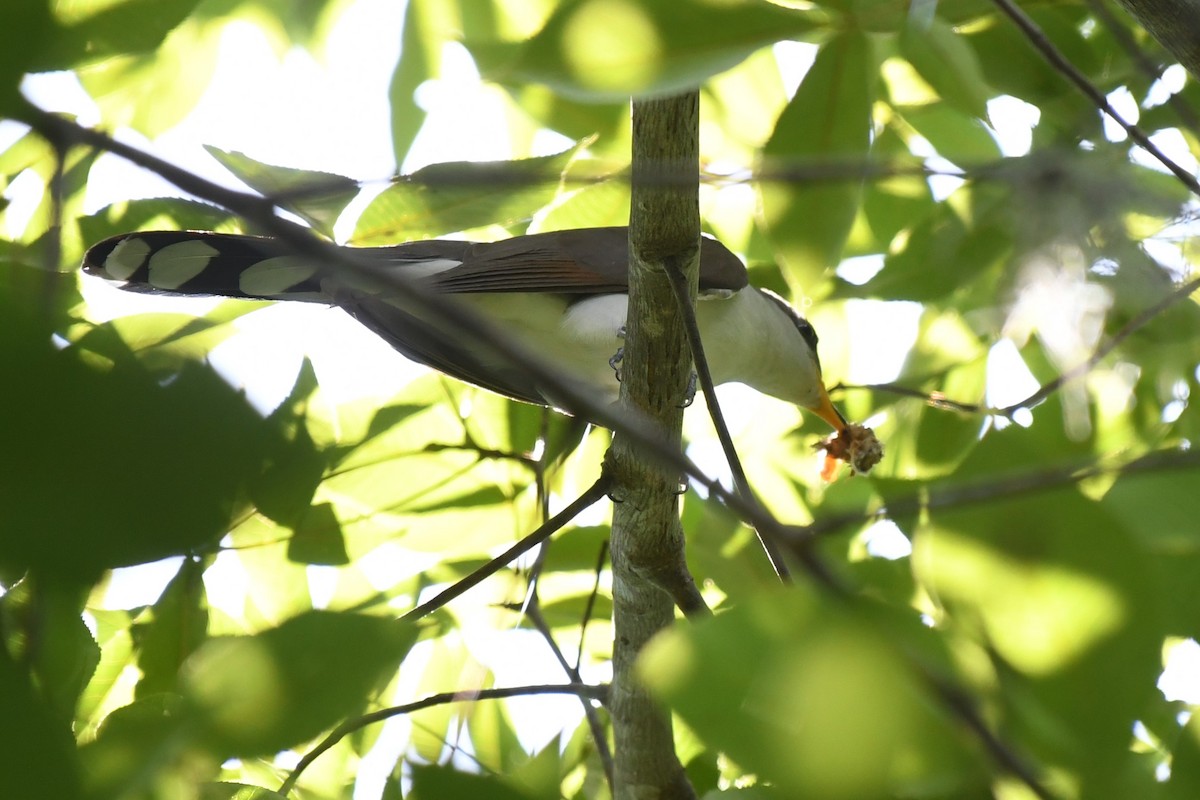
column 1042, row 558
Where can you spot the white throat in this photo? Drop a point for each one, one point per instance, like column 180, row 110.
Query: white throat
column 750, row 339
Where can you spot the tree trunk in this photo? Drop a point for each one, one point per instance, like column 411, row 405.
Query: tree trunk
column 647, row 541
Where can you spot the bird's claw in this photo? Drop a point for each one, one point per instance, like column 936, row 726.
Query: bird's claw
column 689, row 392
column 615, row 361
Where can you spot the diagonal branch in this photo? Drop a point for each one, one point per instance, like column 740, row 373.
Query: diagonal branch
column 534, row 613
column 996, row 488
column 1057, row 60
column 596, row 491
column 1143, row 318
column 351, row 725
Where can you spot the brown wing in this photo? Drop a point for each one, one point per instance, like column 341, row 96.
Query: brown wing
column 585, row 261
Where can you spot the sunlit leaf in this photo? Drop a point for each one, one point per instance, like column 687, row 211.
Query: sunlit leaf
column 948, row 63
column 260, row 694
column 606, row 50
column 456, row 196
column 318, row 197
column 941, row 253
column 237, row 791
column 158, row 213
column 178, row 624
column 814, row 689
column 826, row 124
column 175, row 74
column 102, row 29
column 428, row 26
column 1064, row 619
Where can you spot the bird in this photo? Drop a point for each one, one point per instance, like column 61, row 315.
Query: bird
column 563, row 293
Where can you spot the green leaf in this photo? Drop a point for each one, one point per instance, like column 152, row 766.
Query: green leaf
column 820, row 700
column 827, row 123
column 318, row 539
column 1012, row 66
column 256, row 695
column 317, row 197
column 1185, row 763
column 449, row 665
column 1155, row 505
column 37, row 749
column 608, row 124
column 607, row 50
column 446, row 783
column 175, row 74
column 956, row 136
column 460, row 195
column 945, row 60
column 428, row 26
column 139, row 748
column 237, row 791
column 136, row 474
column 598, row 205
column 928, row 442
column 942, row 253
column 28, row 29
column 94, row 30
column 157, row 213
column 1061, row 595
column 295, row 466
column 177, row 626
column 494, row 738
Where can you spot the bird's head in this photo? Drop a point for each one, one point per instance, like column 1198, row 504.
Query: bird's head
column 800, row 379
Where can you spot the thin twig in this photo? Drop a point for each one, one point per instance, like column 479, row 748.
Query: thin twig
column 534, row 613
column 938, row 400
column 1056, row 59
column 996, row 488
column 963, row 707
column 934, row 399
column 593, row 493
column 741, row 483
column 1127, row 330
column 350, row 726
column 590, row 605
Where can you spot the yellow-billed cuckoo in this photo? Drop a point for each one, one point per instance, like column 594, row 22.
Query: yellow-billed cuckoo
column 563, row 293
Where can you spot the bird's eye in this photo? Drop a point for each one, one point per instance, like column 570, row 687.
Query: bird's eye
column 807, row 331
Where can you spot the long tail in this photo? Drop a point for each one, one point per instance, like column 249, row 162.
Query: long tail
column 234, row 265
column 195, row 263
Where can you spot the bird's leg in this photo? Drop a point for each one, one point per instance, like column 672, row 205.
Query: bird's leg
column 689, row 393
column 615, row 361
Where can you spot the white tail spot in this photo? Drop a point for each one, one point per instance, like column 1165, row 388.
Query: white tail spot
column 178, row 263
column 126, row 258
column 274, row 276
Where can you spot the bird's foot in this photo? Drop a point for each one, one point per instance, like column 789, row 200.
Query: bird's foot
column 689, row 392
column 615, row 361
